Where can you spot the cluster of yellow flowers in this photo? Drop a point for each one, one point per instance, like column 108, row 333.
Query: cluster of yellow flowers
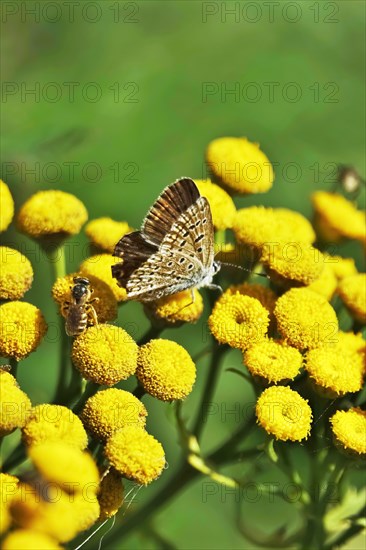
column 286, row 329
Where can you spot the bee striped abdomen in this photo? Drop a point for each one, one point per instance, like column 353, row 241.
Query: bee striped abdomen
column 76, row 322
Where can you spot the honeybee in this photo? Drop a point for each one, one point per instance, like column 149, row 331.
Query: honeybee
column 79, row 313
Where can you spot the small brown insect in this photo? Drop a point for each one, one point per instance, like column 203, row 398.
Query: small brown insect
column 79, row 313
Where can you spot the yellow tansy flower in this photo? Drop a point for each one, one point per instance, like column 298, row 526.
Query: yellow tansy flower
column 109, row 410
column 99, row 266
column 239, row 321
column 305, row 319
column 29, row 539
column 336, row 217
column 48, row 423
column 22, row 327
column 283, row 413
column 52, row 213
column 335, row 369
column 105, row 233
column 265, row 295
column 176, row 308
column 16, row 274
column 105, row 354
column 326, row 283
column 352, row 290
column 351, row 341
column 86, row 509
column 7, row 206
column 349, row 429
column 110, row 495
column 72, row 469
column 341, row 267
column 8, row 489
column 136, row 454
column 293, row 263
column 266, row 228
column 273, row 361
column 222, row 205
column 46, row 508
column 239, row 165
column 165, row 370
column 15, row 405
column 106, row 305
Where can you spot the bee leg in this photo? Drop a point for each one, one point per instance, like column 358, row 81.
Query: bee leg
column 96, row 299
column 92, row 313
column 65, row 308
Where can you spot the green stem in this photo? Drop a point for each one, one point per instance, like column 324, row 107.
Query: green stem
column 209, row 391
column 64, row 364
column 57, row 259
column 139, row 391
column 14, row 366
column 15, row 458
column 90, row 389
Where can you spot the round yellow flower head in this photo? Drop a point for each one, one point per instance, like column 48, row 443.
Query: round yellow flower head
column 106, row 305
column 222, row 205
column 165, row 370
column 351, row 341
column 105, row 354
column 352, row 290
column 239, row 165
column 22, row 327
column 46, row 508
column 293, row 263
column 284, row 414
column 48, row 423
column 266, row 228
column 342, row 267
column 349, row 429
column 104, row 233
column 136, row 454
column 265, row 295
column 176, row 309
column 326, row 283
column 239, row 321
column 72, row 469
column 110, row 410
column 335, row 369
column 7, row 206
column 99, row 266
column 29, row 539
column 15, row 404
column 8, row 489
column 305, row 319
column 273, row 361
column 52, row 213
column 16, row 275
column 336, row 217
column 110, row 495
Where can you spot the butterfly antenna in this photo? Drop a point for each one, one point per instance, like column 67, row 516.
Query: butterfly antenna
column 245, row 269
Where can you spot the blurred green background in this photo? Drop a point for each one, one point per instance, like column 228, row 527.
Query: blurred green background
column 126, row 96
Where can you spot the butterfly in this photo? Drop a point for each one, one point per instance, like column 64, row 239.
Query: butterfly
column 173, row 251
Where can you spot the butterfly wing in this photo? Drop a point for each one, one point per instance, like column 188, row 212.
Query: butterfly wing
column 184, row 259
column 171, row 204
column 174, row 249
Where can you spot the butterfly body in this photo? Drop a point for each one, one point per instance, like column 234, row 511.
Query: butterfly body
column 173, row 251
